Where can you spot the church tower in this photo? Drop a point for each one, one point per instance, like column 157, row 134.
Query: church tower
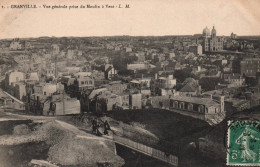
column 213, row 32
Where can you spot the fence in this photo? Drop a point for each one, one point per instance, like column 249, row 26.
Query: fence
column 168, row 158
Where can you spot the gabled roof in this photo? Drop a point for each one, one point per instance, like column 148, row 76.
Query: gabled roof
column 96, row 91
column 188, row 80
column 190, row 85
column 189, row 88
column 109, row 68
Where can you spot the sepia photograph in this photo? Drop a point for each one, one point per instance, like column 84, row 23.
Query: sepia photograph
column 129, row 83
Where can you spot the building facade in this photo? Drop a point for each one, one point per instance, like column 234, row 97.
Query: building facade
column 249, row 66
column 202, row 108
column 212, row 43
column 196, row 49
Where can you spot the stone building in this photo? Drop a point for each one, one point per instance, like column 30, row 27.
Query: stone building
column 196, row 49
column 249, row 66
column 212, row 43
column 201, row 108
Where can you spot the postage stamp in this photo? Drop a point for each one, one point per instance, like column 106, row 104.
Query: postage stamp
column 243, row 143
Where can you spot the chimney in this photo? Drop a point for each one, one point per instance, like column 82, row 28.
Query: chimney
column 156, row 76
column 222, row 103
column 199, row 68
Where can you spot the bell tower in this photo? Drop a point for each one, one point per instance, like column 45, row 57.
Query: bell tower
column 213, row 32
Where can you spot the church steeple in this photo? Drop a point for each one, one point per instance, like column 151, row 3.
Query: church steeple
column 213, row 32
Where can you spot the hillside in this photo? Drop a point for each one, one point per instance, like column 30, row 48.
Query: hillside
column 173, row 129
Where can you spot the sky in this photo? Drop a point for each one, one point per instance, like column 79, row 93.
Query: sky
column 143, row 18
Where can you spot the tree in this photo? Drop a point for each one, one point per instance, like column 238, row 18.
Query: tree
column 181, row 75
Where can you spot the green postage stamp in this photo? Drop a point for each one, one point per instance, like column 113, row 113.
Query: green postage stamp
column 243, row 143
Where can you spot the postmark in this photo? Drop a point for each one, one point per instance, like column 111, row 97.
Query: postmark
column 243, row 143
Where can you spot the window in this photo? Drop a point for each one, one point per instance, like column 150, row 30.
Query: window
column 190, row 107
column 82, row 82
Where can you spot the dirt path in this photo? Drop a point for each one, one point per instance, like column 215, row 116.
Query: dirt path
column 31, row 117
column 16, row 140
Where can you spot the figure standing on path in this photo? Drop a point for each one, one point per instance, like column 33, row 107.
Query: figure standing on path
column 94, row 126
column 98, row 132
column 106, row 128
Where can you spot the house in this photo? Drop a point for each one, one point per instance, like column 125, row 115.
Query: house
column 49, row 72
column 46, row 89
column 108, row 101
column 162, row 85
column 80, row 85
column 135, row 101
column 82, row 74
column 196, row 49
column 33, row 76
column 117, row 88
column 88, row 99
column 7, row 101
column 201, row 108
column 166, row 82
column 234, row 79
column 140, row 66
column 61, row 104
column 19, row 90
column 15, row 45
column 125, row 101
column 13, row 77
column 190, row 87
column 140, row 83
column 110, row 72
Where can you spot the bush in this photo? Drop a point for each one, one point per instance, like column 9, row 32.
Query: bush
column 21, row 130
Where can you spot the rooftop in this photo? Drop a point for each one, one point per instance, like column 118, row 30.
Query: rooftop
column 197, row 100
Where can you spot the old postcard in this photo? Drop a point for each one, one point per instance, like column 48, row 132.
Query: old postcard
column 129, row 83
